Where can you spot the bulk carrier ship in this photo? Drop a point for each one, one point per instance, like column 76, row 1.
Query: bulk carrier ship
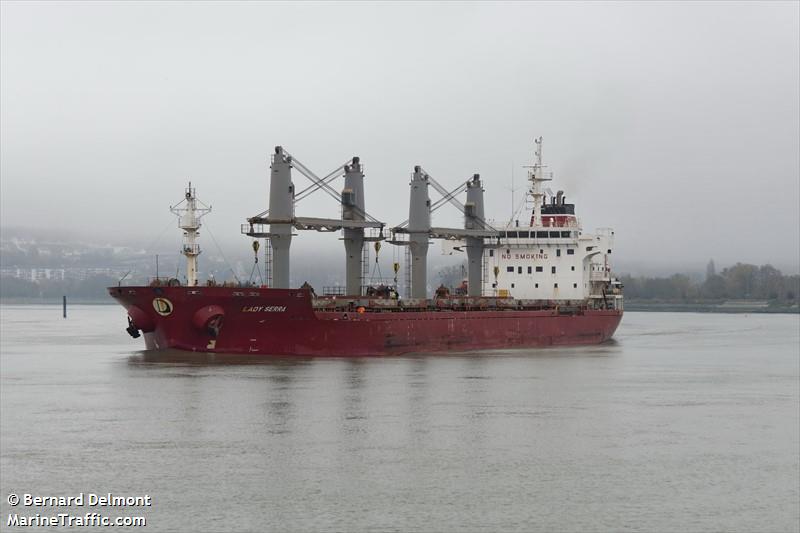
column 541, row 283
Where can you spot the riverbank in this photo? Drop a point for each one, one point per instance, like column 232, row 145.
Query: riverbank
column 728, row 306
column 56, row 301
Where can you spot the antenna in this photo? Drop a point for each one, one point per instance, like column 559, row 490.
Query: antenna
column 513, row 190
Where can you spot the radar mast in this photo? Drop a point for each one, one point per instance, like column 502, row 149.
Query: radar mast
column 536, row 176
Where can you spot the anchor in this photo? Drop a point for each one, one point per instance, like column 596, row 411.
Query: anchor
column 132, row 330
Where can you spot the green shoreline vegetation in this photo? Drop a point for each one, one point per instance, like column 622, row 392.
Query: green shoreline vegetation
column 742, row 288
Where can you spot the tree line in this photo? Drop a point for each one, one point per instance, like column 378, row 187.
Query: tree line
column 91, row 288
column 741, row 282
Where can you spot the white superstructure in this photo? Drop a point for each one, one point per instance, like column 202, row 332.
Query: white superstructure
column 550, row 258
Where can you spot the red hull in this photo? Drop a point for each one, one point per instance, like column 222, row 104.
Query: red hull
column 283, row 322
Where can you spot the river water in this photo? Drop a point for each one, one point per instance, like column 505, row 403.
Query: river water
column 684, row 422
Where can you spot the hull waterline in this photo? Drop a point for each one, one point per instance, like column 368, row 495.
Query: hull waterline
column 284, row 322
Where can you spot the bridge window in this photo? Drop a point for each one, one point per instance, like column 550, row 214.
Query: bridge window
column 574, row 285
column 537, row 285
column 553, row 270
column 491, row 253
column 555, row 234
column 530, row 270
column 573, row 268
column 539, row 269
column 570, row 251
column 512, row 285
column 519, row 270
column 510, row 269
column 555, row 285
column 558, row 252
column 541, row 234
column 566, row 234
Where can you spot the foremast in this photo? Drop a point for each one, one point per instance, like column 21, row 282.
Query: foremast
column 189, row 212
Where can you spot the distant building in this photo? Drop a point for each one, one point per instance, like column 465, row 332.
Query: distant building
column 59, row 274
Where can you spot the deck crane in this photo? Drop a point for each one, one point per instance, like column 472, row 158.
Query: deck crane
column 276, row 223
column 419, row 230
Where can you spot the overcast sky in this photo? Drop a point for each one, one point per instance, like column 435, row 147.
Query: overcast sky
column 677, row 124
